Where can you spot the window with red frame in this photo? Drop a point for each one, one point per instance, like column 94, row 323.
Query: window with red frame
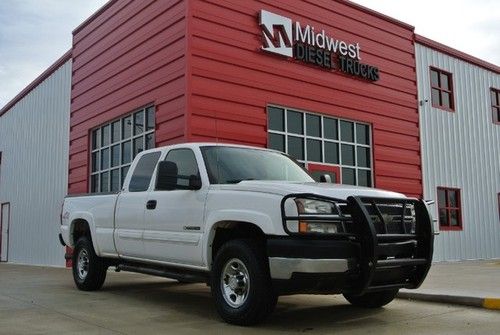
column 450, row 209
column 495, row 105
column 442, row 89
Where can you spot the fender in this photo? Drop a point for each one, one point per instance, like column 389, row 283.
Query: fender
column 259, row 219
column 90, row 220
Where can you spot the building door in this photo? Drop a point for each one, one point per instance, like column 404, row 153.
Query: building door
column 317, row 170
column 4, row 231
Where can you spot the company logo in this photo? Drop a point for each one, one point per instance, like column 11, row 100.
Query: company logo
column 276, row 33
column 280, row 35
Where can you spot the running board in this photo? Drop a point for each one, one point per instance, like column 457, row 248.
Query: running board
column 167, row 272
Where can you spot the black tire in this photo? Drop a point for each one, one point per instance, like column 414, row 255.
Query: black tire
column 94, row 273
column 260, row 297
column 372, row 300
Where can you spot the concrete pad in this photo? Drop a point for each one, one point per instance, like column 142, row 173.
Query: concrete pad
column 37, row 300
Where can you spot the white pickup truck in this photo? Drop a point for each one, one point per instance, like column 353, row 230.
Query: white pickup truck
column 253, row 225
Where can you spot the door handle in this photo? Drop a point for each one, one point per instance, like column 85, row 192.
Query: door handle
column 151, row 204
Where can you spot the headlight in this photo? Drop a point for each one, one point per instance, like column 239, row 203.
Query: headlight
column 313, row 206
column 310, row 216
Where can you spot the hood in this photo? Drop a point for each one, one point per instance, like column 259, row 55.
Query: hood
column 339, row 191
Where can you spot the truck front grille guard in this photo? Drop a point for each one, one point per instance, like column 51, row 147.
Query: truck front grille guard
column 387, row 260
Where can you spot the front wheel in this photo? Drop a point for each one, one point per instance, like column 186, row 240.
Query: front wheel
column 89, row 270
column 373, row 299
column 241, row 285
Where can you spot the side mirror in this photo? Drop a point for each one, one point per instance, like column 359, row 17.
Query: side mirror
column 168, row 178
column 325, row 178
column 194, row 182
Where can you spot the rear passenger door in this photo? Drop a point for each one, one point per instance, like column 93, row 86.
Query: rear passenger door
column 131, row 205
column 174, row 228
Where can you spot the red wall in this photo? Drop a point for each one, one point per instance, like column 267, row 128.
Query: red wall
column 232, row 80
column 200, row 63
column 129, row 54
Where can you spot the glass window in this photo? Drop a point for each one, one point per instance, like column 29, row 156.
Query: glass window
column 330, row 128
column 362, row 134
column 313, row 124
column 277, row 142
column 449, row 208
column 229, row 165
column 331, row 152
column 314, row 151
column 495, row 105
column 348, row 176
column 296, row 147
column 315, row 138
column 276, row 120
column 347, row 157
column 186, row 164
column 143, row 172
column 295, row 122
column 114, row 146
column 346, row 131
column 441, row 89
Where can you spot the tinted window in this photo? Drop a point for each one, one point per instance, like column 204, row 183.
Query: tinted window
column 229, row 165
column 143, row 172
column 186, row 164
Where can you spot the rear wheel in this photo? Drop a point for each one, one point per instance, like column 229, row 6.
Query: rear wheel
column 241, row 285
column 89, row 270
column 373, row 299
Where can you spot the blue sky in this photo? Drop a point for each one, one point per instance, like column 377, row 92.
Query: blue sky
column 34, row 33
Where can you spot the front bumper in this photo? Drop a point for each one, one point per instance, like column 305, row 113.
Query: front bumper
column 371, row 257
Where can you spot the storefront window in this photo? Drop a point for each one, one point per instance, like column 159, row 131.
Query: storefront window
column 114, row 146
column 313, row 138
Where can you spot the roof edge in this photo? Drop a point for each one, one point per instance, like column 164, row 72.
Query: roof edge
column 379, row 15
column 456, row 53
column 45, row 74
column 93, row 16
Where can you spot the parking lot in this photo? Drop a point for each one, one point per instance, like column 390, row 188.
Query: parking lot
column 41, row 300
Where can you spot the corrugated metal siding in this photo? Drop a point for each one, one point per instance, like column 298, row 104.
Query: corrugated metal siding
column 130, row 55
column 233, row 80
column 462, row 150
column 34, row 136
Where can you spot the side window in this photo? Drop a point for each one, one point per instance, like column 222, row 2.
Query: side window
column 186, row 164
column 143, row 171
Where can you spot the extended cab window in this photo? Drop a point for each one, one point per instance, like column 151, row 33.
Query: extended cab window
column 186, row 164
column 143, row 172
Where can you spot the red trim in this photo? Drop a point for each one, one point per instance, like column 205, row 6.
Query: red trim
column 448, row 209
column 451, row 91
column 455, row 53
column 57, row 64
column 325, row 167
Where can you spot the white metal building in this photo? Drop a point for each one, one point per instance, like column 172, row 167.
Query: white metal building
column 460, row 139
column 34, row 141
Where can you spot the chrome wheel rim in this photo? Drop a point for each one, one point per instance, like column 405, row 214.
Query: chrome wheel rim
column 235, row 283
column 82, row 265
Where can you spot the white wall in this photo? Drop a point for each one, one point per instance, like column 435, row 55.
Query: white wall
column 462, row 150
column 34, row 141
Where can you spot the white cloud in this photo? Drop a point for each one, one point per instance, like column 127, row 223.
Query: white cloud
column 33, row 34
column 469, row 26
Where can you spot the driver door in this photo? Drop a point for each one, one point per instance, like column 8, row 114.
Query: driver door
column 173, row 230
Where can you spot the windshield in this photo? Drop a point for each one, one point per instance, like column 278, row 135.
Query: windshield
column 230, row 165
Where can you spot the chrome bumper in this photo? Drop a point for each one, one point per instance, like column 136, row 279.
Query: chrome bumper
column 283, row 268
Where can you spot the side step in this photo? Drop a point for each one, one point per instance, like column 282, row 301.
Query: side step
column 181, row 274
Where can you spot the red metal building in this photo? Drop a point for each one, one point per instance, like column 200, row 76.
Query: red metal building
column 252, row 72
